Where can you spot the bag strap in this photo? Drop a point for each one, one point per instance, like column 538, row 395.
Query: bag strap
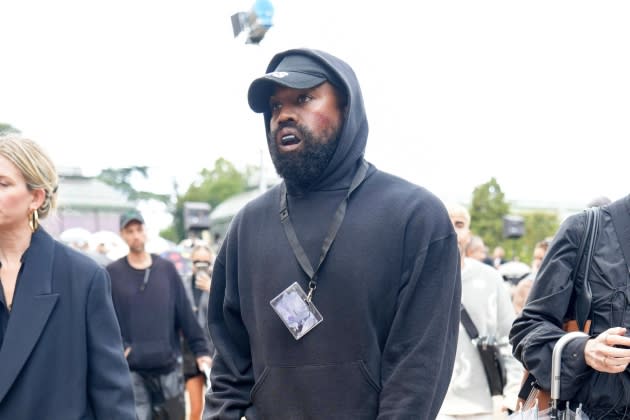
column 583, row 294
column 468, row 323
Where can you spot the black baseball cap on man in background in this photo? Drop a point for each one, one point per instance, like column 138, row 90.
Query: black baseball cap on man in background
column 130, row 216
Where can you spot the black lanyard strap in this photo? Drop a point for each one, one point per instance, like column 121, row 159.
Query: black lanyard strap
column 145, row 280
column 298, row 251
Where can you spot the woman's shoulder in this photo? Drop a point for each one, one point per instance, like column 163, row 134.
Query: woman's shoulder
column 571, row 229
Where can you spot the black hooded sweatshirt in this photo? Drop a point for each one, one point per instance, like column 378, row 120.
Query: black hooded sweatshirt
column 389, row 293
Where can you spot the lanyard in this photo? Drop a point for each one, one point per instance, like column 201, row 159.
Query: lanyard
column 146, row 279
column 298, row 251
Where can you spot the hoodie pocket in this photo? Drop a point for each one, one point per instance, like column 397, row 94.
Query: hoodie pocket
column 155, row 354
column 332, row 391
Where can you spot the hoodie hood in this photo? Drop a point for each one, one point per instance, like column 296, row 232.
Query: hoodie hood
column 354, row 132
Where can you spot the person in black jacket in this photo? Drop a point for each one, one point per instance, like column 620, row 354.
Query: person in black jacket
column 594, row 369
column 61, row 353
column 152, row 308
column 335, row 294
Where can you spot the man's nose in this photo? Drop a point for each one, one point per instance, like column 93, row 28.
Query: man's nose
column 287, row 113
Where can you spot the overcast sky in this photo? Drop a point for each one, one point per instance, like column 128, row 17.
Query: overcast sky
column 536, row 93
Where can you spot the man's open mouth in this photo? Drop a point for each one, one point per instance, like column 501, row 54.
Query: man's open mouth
column 289, row 140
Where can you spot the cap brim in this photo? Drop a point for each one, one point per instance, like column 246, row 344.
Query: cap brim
column 260, row 90
column 134, row 219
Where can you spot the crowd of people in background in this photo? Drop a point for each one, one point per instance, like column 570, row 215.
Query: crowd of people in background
column 487, row 302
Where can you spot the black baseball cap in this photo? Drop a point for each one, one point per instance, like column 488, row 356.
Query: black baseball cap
column 296, row 71
column 130, row 216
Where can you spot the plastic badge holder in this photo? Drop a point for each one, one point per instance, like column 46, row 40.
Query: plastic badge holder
column 298, row 315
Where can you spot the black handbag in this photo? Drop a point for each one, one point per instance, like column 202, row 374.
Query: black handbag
column 489, row 353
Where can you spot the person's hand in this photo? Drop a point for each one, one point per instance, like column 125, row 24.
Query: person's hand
column 127, row 351
column 202, row 281
column 609, row 352
column 204, row 362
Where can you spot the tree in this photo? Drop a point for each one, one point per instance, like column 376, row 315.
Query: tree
column 538, row 226
column 7, row 129
column 487, row 209
column 120, row 179
column 213, row 187
column 216, row 184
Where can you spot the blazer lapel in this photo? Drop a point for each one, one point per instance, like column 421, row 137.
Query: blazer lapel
column 33, row 303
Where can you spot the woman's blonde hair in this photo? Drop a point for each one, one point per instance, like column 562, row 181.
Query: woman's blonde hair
column 201, row 246
column 36, row 167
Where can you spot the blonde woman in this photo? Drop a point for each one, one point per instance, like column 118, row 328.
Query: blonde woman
column 61, row 354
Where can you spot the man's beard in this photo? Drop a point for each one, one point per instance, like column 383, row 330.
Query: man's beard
column 300, row 169
column 136, row 248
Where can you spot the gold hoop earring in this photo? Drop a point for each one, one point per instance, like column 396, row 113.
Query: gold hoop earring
column 33, row 220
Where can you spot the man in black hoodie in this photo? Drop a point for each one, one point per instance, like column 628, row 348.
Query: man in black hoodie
column 336, row 294
column 152, row 309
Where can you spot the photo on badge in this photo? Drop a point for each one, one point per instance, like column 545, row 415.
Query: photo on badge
column 298, row 315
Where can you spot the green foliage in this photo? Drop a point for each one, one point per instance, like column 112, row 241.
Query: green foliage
column 170, row 234
column 216, row 184
column 487, row 209
column 213, row 187
column 120, row 179
column 538, row 226
column 7, row 128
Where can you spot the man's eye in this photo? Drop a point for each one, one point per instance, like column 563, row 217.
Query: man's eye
column 274, row 106
column 304, row 98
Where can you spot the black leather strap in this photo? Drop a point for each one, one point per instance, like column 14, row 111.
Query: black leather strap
column 582, row 287
column 468, row 323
